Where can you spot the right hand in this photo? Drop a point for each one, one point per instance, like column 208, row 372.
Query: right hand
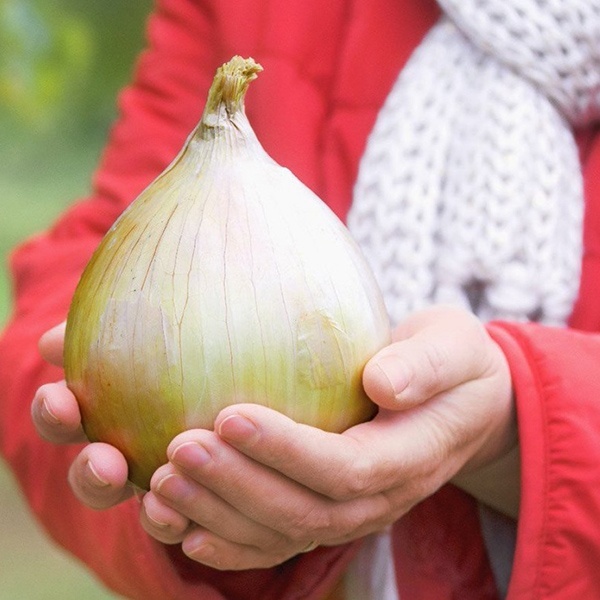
column 98, row 476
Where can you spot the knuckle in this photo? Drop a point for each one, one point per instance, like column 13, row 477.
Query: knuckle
column 354, row 481
column 435, row 363
column 335, row 521
column 415, row 491
column 427, row 374
column 309, row 524
column 353, row 522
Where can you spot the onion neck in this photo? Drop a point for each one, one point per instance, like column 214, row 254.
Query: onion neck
column 228, row 89
column 224, row 118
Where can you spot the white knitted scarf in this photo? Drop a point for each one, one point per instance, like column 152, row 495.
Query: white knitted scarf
column 470, row 189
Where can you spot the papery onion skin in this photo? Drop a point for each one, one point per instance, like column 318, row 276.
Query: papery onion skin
column 227, row 280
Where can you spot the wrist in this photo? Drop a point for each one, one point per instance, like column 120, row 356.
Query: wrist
column 496, row 484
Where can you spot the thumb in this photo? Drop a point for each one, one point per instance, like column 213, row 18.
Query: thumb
column 437, row 354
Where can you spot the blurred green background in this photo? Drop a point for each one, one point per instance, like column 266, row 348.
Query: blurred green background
column 62, row 63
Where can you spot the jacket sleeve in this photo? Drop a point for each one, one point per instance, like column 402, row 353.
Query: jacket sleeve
column 555, row 374
column 156, row 114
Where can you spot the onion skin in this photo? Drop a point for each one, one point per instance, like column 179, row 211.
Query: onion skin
column 227, row 280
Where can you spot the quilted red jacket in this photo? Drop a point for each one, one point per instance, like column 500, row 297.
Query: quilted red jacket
column 328, row 68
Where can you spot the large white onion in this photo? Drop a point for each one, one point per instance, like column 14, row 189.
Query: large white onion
column 227, row 280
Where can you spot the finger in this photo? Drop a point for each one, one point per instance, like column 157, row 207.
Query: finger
column 394, row 449
column 206, row 548
column 295, row 511
column 98, row 476
column 51, row 344
column 161, row 521
column 437, row 349
column 276, row 441
column 206, row 508
column 55, row 414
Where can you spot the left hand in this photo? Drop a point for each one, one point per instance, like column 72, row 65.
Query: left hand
column 261, row 488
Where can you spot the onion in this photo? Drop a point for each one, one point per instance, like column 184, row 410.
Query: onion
column 227, row 280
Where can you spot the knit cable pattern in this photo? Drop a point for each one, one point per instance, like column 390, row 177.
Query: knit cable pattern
column 470, row 189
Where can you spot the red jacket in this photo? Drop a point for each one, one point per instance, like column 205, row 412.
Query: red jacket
column 328, row 68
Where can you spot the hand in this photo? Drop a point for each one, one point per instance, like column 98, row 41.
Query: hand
column 261, row 488
column 98, row 475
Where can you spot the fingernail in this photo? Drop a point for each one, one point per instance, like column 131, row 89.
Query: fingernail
column 159, row 486
column 94, row 478
column 238, row 429
column 392, row 369
column 190, row 455
column 47, row 413
column 156, row 522
column 173, row 486
column 196, row 546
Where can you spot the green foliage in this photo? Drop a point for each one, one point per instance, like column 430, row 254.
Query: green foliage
column 62, row 63
column 64, row 59
column 43, row 60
